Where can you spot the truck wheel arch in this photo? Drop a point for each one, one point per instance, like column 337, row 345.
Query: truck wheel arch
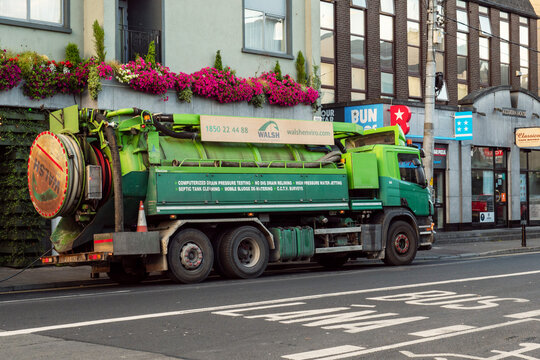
column 390, row 216
column 170, row 228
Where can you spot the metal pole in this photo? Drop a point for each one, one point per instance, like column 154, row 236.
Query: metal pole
column 523, row 235
column 429, row 94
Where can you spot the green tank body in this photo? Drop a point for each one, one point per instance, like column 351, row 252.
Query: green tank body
column 251, row 190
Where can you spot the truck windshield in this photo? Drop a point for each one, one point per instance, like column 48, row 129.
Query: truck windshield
column 410, row 169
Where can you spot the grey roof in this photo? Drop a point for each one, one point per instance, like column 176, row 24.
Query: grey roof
column 521, row 7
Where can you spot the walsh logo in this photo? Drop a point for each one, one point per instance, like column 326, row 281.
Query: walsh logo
column 269, row 130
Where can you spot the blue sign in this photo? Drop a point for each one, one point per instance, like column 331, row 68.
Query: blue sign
column 367, row 116
column 463, row 125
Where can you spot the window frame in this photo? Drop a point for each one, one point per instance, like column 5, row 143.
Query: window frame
column 505, row 39
column 463, row 83
column 287, row 54
column 329, row 61
column 414, row 75
column 524, row 63
column 357, row 93
column 64, row 26
column 484, row 37
column 388, row 71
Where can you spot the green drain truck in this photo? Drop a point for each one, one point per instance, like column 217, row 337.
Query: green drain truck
column 225, row 193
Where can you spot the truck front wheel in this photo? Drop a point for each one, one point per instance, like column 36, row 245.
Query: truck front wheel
column 401, row 244
column 190, row 257
column 243, row 253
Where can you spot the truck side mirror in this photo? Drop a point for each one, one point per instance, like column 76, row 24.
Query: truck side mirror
column 422, row 153
column 420, row 174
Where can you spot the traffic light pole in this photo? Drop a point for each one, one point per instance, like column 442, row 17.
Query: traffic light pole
column 429, row 103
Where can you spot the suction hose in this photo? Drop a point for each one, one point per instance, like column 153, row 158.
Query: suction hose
column 117, row 180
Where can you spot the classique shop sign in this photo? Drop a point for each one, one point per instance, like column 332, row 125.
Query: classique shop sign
column 528, row 137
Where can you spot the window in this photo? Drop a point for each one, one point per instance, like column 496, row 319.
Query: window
column 438, row 44
column 413, row 49
column 484, row 61
column 265, row 26
column 504, row 29
column 45, row 14
column 410, row 169
column 358, row 50
column 483, row 43
column 524, row 52
column 462, row 48
column 386, row 35
column 488, row 185
column 327, row 52
column 530, row 185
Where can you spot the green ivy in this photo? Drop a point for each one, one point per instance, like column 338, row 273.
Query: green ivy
column 72, row 54
column 94, row 82
column 151, row 55
column 185, row 95
column 21, row 228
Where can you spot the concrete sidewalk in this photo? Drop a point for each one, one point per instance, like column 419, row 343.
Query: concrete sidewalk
column 45, row 277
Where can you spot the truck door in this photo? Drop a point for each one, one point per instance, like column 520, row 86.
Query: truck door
column 412, row 184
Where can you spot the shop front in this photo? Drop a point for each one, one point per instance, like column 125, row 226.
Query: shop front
column 481, row 178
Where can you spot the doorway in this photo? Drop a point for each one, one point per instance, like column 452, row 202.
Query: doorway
column 501, row 212
column 439, row 187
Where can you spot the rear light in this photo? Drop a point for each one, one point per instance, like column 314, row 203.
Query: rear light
column 47, row 260
column 94, row 257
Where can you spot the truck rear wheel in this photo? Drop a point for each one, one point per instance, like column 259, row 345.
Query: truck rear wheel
column 190, row 257
column 401, row 244
column 243, row 253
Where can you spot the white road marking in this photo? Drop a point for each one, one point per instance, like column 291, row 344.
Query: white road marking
column 524, row 315
column 442, row 330
column 418, row 341
column 64, row 297
column 235, row 312
column 259, row 303
column 317, row 354
column 519, row 353
column 448, row 299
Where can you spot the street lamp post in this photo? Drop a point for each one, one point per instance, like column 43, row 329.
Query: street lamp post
column 429, row 103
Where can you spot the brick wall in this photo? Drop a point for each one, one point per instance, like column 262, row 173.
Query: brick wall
column 401, row 82
column 494, row 49
column 514, row 51
column 343, row 52
column 373, row 51
column 451, row 53
column 473, row 73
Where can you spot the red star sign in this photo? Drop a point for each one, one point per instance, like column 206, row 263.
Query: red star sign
column 400, row 115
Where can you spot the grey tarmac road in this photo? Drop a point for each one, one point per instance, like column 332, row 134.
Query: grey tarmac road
column 482, row 308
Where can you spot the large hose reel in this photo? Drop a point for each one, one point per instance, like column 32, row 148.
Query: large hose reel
column 58, row 175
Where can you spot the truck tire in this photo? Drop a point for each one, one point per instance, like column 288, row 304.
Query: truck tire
column 216, row 243
column 244, row 253
column 401, row 244
column 118, row 273
column 190, row 257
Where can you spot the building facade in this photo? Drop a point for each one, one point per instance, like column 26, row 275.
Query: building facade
column 373, row 55
column 251, row 34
